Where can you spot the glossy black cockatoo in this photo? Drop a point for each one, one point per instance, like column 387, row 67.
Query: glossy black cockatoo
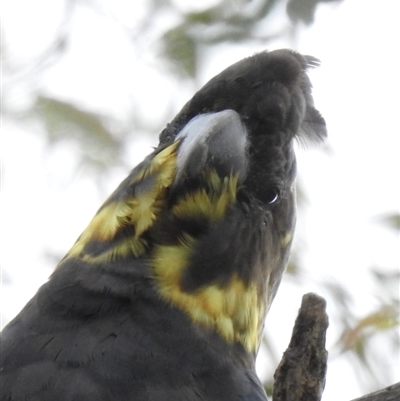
column 163, row 296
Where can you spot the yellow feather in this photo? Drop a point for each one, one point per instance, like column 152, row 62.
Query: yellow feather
column 231, row 309
column 211, row 205
column 138, row 211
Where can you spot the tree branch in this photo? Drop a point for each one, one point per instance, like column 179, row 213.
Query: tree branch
column 301, row 373
column 391, row 393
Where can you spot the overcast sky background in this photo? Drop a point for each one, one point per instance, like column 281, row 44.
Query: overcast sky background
column 351, row 184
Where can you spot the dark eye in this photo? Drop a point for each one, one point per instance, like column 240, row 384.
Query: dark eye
column 272, row 195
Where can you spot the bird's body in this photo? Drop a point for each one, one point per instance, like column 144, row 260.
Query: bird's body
column 164, row 295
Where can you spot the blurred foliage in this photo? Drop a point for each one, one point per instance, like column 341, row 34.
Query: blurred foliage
column 103, row 140
column 357, row 341
column 303, row 10
column 385, row 318
column 391, row 220
column 227, row 22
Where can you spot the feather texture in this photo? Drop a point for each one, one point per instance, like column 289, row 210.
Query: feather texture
column 164, row 295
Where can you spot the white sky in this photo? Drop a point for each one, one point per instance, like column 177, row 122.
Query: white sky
column 43, row 206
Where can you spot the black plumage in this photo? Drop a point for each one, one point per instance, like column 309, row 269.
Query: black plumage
column 163, row 296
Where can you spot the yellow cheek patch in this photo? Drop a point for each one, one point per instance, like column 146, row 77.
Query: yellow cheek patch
column 234, row 310
column 139, row 211
column 211, row 203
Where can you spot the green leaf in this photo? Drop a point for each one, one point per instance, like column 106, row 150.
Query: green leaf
column 179, row 48
column 65, row 121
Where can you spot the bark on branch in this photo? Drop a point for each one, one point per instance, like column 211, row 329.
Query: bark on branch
column 391, row 393
column 301, row 373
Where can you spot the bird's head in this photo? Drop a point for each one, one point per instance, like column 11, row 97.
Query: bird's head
column 271, row 93
column 212, row 210
column 240, row 126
